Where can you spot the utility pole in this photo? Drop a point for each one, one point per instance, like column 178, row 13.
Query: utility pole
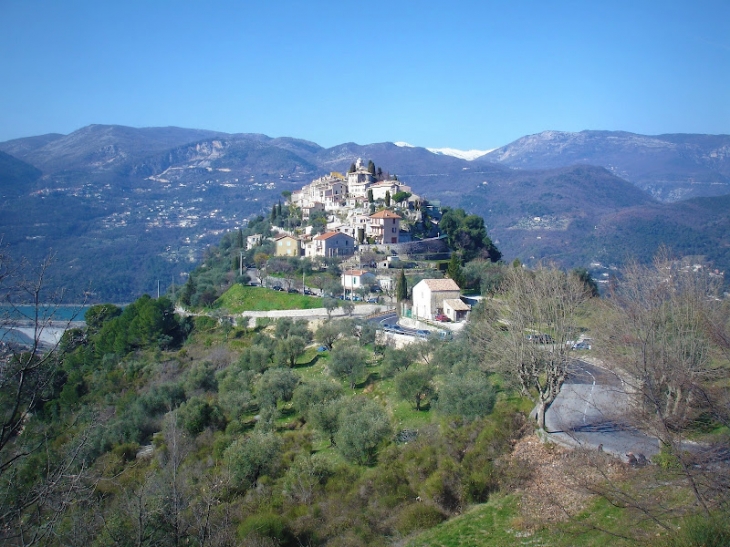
column 158, row 289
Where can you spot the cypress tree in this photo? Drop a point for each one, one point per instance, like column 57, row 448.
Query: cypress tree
column 454, row 270
column 401, row 287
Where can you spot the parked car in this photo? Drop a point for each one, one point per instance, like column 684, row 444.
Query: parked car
column 292, row 290
column 277, row 288
column 423, row 333
column 372, row 301
column 441, row 317
column 540, row 338
column 308, row 292
column 584, row 344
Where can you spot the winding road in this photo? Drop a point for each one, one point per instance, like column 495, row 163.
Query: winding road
column 591, row 412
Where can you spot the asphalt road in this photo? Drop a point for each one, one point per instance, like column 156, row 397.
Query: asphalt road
column 591, row 412
column 385, row 321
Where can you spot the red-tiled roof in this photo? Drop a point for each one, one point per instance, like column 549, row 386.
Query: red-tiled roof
column 356, row 273
column 385, row 214
column 328, row 235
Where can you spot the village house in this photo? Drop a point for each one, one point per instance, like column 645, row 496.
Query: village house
column 384, row 227
column 330, row 244
column 253, row 241
column 429, row 296
column 287, row 245
column 359, row 180
column 388, row 186
column 353, row 280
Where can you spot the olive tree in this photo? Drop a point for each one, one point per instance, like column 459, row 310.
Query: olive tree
column 414, row 385
column 348, row 361
column 363, row 426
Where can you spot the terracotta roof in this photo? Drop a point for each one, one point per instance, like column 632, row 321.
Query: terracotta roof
column 328, row 235
column 441, row 284
column 456, row 304
column 277, row 238
column 356, row 272
column 385, row 214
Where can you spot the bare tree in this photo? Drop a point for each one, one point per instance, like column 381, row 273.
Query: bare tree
column 30, row 507
column 525, row 331
column 664, row 331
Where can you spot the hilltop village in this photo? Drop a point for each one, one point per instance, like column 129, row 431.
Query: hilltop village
column 358, row 210
column 366, row 223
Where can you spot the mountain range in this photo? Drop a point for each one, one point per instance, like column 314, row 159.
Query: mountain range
column 124, row 207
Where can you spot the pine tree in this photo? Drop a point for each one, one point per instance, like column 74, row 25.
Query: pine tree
column 387, row 198
column 401, row 287
column 370, row 196
column 239, row 240
column 352, row 168
column 371, row 167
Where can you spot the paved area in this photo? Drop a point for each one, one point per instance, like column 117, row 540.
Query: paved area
column 591, row 412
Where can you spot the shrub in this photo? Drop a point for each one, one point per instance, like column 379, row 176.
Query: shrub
column 419, row 516
column 201, row 376
column 266, row 525
column 252, row 457
column 196, row 414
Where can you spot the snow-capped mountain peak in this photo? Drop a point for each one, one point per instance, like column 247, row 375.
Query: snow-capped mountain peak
column 467, row 155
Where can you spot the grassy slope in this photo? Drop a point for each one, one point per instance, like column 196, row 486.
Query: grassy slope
column 239, row 298
column 498, row 524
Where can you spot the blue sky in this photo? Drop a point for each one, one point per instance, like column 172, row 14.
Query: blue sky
column 461, row 74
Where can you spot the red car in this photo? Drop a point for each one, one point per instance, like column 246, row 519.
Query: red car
column 441, row 317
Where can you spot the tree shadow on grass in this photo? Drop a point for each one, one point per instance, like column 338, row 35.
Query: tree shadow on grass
column 371, row 378
column 311, row 362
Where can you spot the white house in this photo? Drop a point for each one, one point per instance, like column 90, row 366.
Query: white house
column 356, row 279
column 456, row 309
column 330, row 244
column 253, row 241
column 429, row 296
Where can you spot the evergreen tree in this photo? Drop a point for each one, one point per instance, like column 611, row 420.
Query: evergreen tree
column 380, row 173
column 585, row 278
column 454, row 270
column 239, row 240
column 352, row 168
column 278, row 209
column 273, row 214
column 371, row 167
column 370, row 195
column 387, row 198
column 401, row 287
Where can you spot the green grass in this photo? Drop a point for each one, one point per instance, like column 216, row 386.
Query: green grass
column 241, row 298
column 498, row 523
